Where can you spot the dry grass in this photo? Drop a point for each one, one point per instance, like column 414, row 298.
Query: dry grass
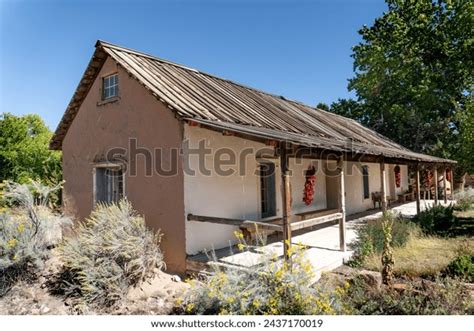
column 467, row 214
column 423, row 257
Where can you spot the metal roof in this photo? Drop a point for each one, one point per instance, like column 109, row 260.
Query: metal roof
column 224, row 104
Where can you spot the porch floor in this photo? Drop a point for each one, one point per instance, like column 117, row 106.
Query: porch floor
column 322, row 242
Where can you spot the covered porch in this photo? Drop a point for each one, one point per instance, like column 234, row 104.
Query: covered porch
column 320, row 242
column 287, row 228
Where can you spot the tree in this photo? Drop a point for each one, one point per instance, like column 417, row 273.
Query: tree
column 322, row 106
column 24, row 152
column 414, row 76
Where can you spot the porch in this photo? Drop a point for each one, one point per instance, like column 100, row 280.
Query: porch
column 323, row 249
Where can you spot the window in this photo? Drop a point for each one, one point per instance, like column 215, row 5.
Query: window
column 365, row 178
column 110, row 87
column 108, row 184
column 267, row 189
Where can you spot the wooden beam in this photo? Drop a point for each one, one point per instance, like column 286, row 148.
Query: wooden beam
column 382, row 186
column 417, row 187
column 237, row 222
column 315, row 221
column 286, row 199
column 435, row 177
column 445, row 188
column 342, row 205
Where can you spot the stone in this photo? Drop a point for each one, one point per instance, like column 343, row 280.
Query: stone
column 372, row 278
column 176, row 278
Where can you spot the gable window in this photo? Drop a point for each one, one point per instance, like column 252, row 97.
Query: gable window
column 365, row 179
column 267, row 189
column 108, row 182
column 110, row 87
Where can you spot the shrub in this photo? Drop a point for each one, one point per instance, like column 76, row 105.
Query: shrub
column 463, row 267
column 464, row 200
column 110, row 252
column 370, row 238
column 446, row 296
column 27, row 228
column 271, row 287
column 436, row 220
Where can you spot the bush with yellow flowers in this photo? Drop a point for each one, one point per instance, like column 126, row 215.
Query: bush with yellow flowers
column 273, row 287
column 28, row 226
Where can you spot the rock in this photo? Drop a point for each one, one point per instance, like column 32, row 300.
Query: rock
column 176, row 278
column 371, row 278
column 345, row 270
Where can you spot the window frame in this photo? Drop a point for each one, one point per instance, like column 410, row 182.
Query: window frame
column 114, row 87
column 107, row 165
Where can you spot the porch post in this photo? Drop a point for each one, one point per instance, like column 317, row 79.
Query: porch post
column 382, row 186
column 417, row 185
column 342, row 205
column 445, row 195
column 286, row 200
column 452, row 183
column 435, row 176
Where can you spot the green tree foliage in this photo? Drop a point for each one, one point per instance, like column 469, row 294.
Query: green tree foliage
column 414, row 76
column 24, row 152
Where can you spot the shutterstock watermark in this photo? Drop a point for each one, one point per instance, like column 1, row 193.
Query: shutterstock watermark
column 198, row 158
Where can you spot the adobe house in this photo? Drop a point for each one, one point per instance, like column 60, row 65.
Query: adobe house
column 135, row 121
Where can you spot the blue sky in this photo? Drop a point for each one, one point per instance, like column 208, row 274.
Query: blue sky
column 299, row 49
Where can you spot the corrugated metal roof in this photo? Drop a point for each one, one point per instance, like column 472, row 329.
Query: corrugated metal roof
column 222, row 103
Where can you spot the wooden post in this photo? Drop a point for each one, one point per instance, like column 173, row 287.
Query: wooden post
column 445, row 188
column 452, row 183
column 286, row 200
column 435, row 177
column 417, row 187
column 342, row 205
column 382, row 185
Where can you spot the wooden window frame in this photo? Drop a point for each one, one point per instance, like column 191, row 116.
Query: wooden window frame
column 114, row 166
column 114, row 87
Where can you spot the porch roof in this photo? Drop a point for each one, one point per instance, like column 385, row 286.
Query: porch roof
column 339, row 145
column 222, row 103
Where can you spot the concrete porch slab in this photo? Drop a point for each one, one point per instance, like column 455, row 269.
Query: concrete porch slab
column 322, row 244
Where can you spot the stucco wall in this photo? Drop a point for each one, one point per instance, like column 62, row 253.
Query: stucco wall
column 97, row 128
column 232, row 196
column 236, row 195
column 355, row 201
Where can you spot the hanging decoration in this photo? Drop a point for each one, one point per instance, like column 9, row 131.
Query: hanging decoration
column 429, row 178
column 309, row 184
column 448, row 175
column 398, row 176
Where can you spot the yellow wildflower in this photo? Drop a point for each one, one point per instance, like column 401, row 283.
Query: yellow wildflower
column 12, row 243
column 239, row 234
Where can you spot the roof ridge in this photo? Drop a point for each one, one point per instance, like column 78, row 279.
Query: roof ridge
column 153, row 57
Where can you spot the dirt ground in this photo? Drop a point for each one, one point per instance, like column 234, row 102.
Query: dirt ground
column 156, row 296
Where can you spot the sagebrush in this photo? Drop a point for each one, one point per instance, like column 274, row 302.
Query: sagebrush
column 109, row 252
column 28, row 227
column 464, row 200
